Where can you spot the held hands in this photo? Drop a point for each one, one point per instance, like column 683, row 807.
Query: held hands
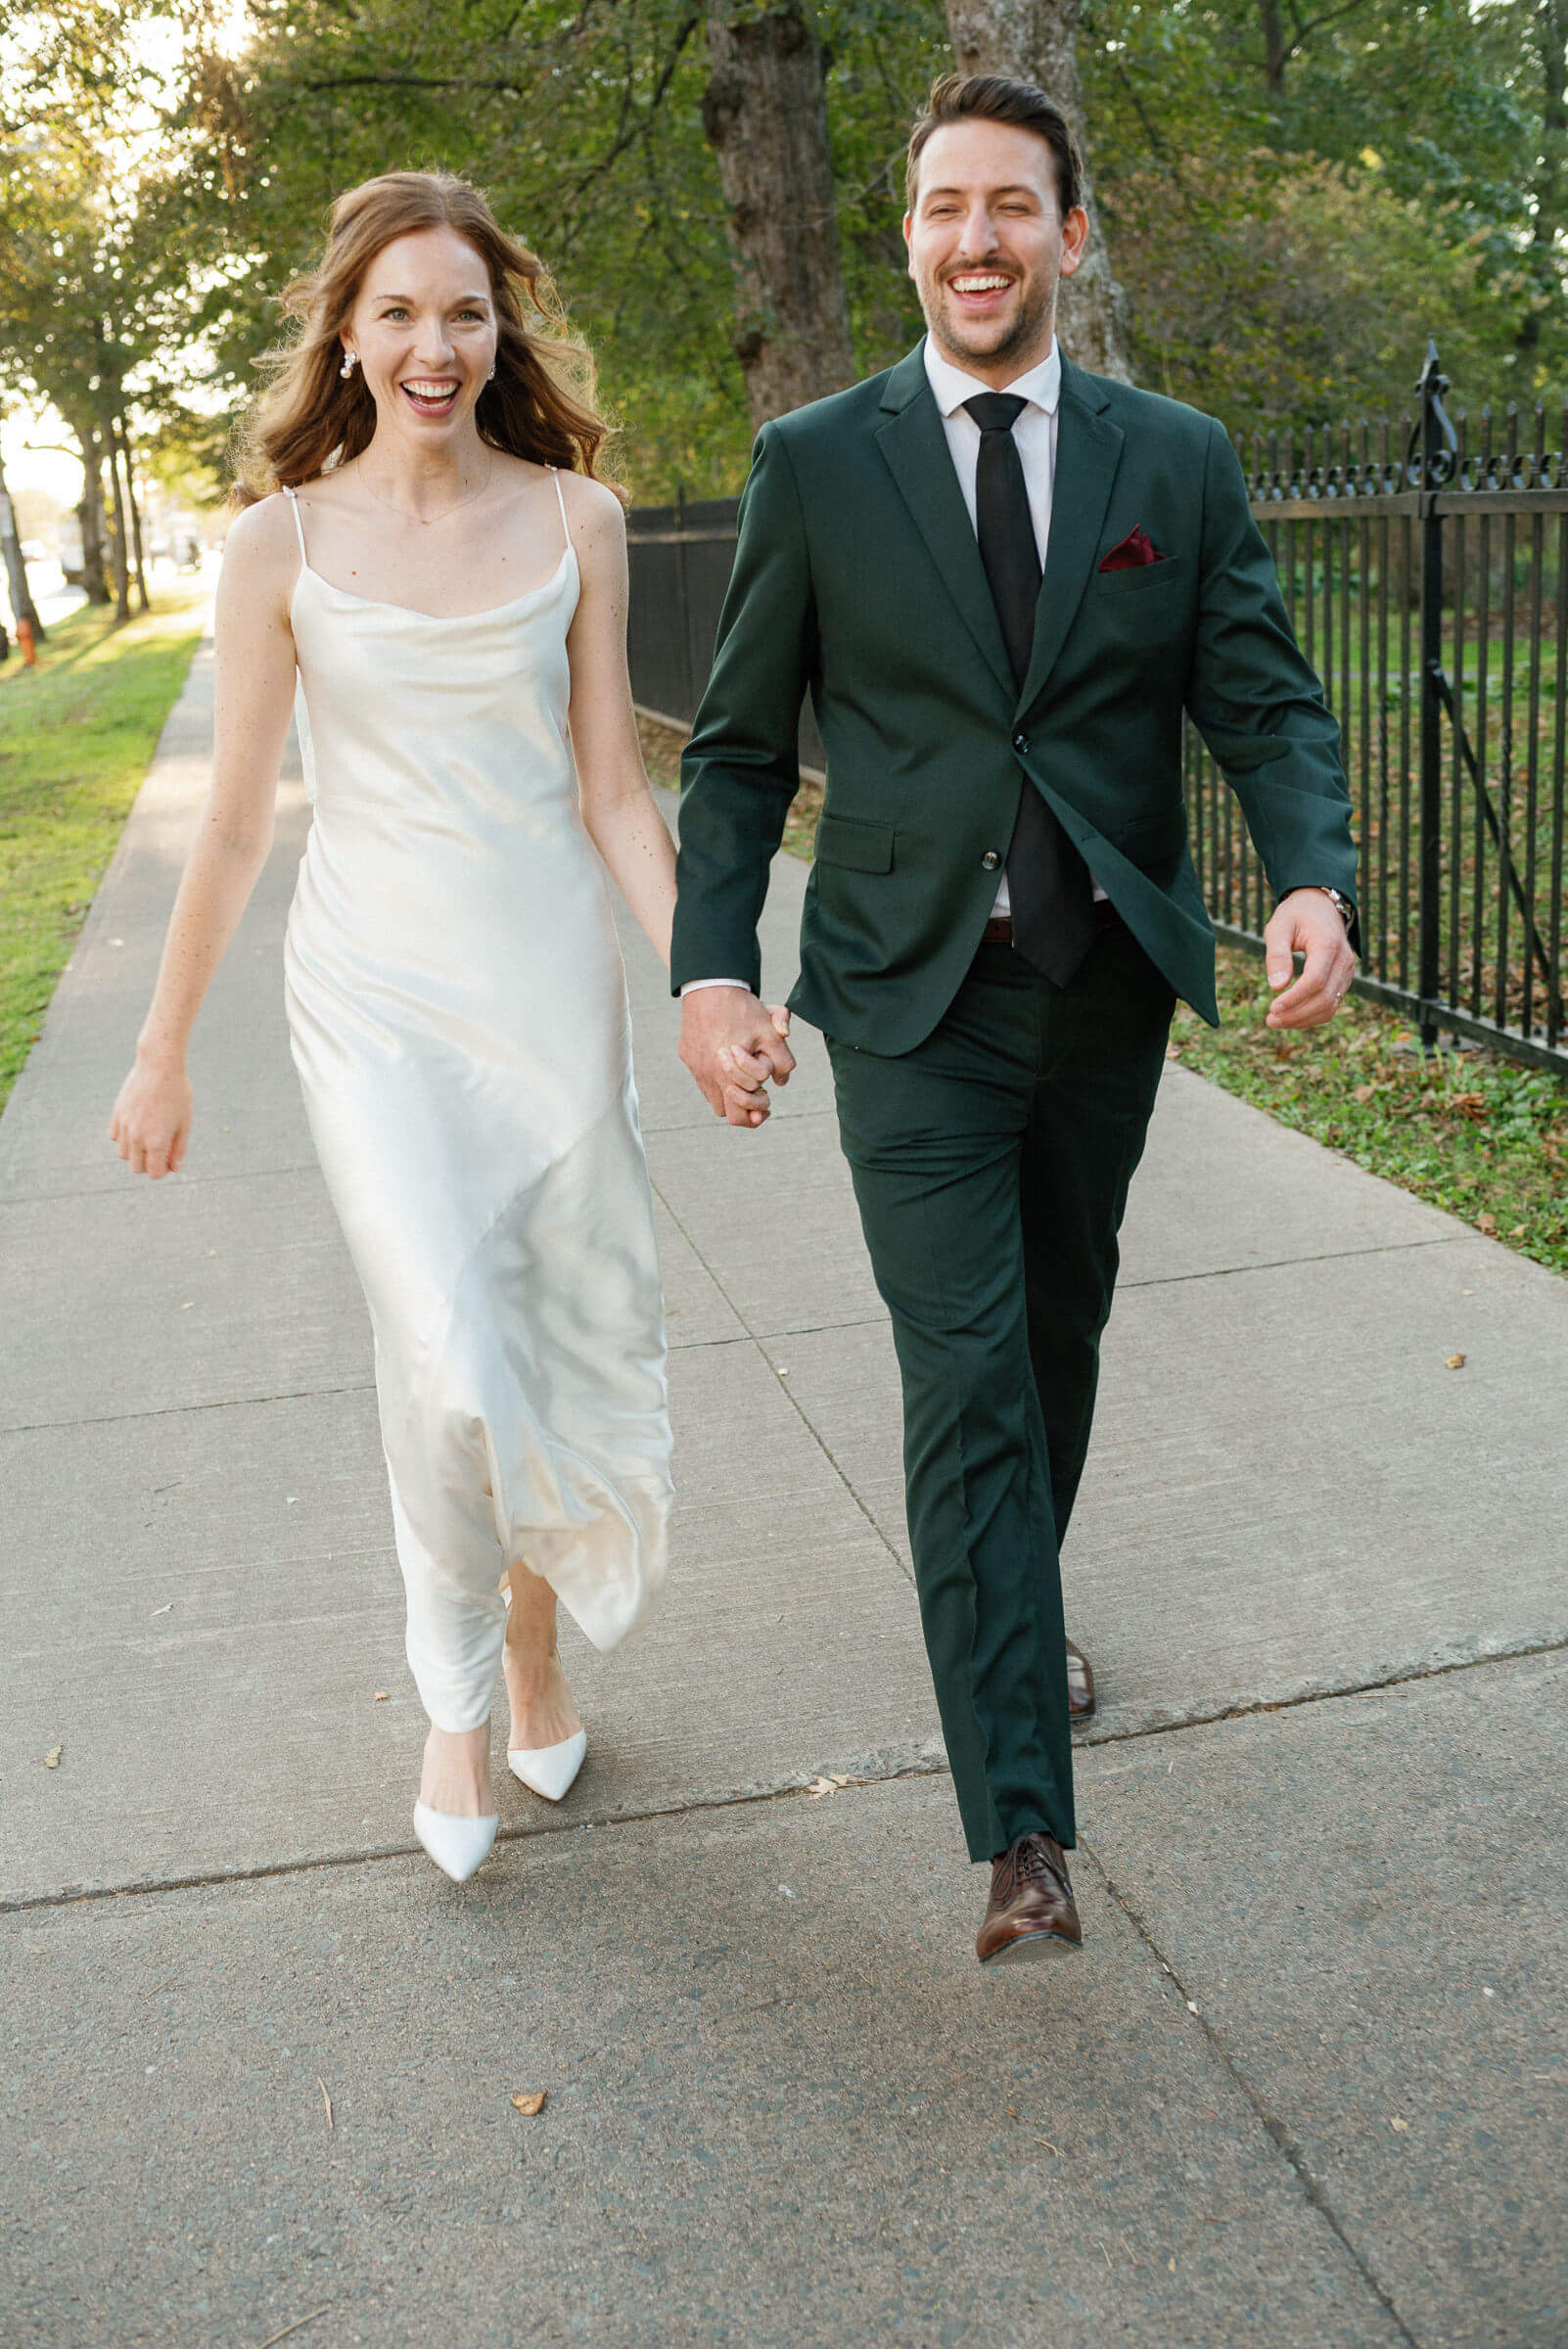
column 733, row 1043
column 151, row 1121
column 1308, row 922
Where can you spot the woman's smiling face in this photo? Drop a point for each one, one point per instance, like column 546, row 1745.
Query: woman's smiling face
column 423, row 328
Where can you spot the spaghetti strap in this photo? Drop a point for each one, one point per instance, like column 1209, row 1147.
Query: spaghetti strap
column 560, row 499
column 298, row 526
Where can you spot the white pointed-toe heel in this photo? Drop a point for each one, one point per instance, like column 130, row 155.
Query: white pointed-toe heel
column 458, row 1846
column 548, row 1769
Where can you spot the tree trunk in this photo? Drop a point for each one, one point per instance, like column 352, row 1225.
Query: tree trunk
column 1276, row 49
column 90, row 512
column 22, row 607
column 1035, row 40
column 764, row 112
column 123, row 441
column 118, row 551
column 1550, row 186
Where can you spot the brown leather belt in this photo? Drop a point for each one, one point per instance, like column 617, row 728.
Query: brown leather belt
column 998, row 931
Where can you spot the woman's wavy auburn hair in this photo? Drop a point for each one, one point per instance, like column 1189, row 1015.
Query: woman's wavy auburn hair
column 539, row 403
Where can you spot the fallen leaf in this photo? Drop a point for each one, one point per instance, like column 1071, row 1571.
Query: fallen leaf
column 1485, row 1223
column 822, row 1787
column 1402, row 2127
column 1191, row 2008
column 1172, row 1052
column 52, row 1757
column 1456, row 1361
column 532, row 2101
column 1363, row 1092
column 1520, row 1232
column 380, row 1696
column 1471, row 1105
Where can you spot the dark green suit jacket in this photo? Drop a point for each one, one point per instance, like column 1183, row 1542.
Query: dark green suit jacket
column 858, row 577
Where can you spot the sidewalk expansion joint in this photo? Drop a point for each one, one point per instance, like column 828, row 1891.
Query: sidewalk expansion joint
column 182, row 1182
column 153, row 1887
column 1286, row 1263
column 783, row 1385
column 922, row 1767
column 1289, row 2146
column 1550, row 1643
column 189, row 1410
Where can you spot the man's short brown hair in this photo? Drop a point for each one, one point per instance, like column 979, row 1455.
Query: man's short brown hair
column 996, row 98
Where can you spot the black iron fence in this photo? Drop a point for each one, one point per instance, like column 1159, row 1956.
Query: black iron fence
column 681, row 563
column 1425, row 568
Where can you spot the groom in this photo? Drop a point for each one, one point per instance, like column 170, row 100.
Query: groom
column 1003, row 581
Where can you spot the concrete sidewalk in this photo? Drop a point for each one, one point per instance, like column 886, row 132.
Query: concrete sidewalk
column 1306, row 2083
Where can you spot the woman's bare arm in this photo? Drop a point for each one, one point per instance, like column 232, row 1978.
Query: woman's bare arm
column 618, row 809
column 617, row 806
column 254, row 694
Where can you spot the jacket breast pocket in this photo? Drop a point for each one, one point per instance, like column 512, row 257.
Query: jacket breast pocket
column 855, row 843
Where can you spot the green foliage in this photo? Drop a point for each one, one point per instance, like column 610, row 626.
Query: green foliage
column 1288, row 229
column 1288, row 249
column 585, row 127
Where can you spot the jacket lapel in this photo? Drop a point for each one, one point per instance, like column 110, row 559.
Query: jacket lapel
column 915, row 446
column 1088, row 450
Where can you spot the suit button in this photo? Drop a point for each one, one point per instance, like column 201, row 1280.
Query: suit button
column 990, row 861
column 1021, row 745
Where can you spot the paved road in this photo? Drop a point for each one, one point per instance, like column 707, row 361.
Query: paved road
column 1306, row 2083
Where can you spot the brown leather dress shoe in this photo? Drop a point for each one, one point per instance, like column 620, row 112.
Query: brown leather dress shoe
column 1031, row 1909
column 1080, row 1684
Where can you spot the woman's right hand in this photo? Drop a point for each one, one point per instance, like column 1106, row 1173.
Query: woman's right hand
column 151, row 1121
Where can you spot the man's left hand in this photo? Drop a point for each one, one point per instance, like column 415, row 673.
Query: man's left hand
column 1308, row 922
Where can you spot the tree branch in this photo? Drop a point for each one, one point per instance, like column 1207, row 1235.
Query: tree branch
column 413, row 81
column 1327, row 16
column 630, row 131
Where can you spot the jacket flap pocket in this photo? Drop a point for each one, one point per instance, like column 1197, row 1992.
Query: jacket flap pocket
column 1149, row 837
column 848, row 840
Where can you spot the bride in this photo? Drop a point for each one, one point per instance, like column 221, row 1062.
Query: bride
column 448, row 578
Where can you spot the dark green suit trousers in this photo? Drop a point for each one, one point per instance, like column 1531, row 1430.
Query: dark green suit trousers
column 992, row 1166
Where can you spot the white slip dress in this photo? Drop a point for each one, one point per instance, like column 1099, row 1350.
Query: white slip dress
column 457, row 1007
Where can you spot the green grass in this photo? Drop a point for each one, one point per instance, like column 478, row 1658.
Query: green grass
column 76, row 734
column 1469, row 1132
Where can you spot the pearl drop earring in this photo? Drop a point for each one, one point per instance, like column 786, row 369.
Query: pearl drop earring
column 350, row 361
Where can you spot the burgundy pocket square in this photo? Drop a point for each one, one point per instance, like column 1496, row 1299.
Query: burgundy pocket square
column 1135, row 550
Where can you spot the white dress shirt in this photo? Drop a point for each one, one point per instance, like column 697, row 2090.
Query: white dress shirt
column 1035, row 437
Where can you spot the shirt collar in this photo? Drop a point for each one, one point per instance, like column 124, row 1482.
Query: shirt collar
column 1042, row 386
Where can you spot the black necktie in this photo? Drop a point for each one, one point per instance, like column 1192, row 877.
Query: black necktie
column 1048, row 881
